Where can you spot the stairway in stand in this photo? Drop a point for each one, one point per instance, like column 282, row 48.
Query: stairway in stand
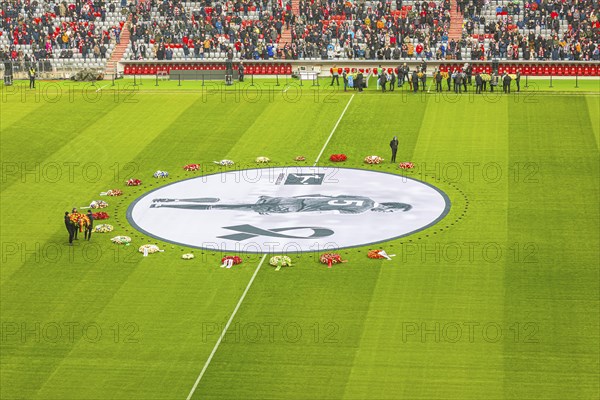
column 286, row 34
column 456, row 22
column 119, row 50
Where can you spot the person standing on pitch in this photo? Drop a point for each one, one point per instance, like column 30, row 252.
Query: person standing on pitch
column 241, row 71
column 394, row 146
column 70, row 228
column 32, row 77
column 335, row 76
column 87, row 235
column 75, row 228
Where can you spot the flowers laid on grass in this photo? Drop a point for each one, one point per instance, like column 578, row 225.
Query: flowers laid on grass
column 406, row 165
column 98, row 204
column 133, row 182
column 379, row 254
column 149, row 249
column 338, row 157
column 374, row 254
column 300, row 158
column 373, row 159
column 330, row 259
column 224, row 163
column 192, row 167
column 81, row 221
column 280, row 261
column 121, row 240
column 103, row 228
column 112, row 192
column 229, row 261
column 262, row 160
column 161, row 174
column 187, row 256
column 100, row 215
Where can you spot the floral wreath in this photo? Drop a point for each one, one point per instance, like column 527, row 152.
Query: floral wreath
column 338, row 157
column 375, row 254
column 126, row 240
column 373, row 159
column 100, row 215
column 225, row 163
column 103, row 228
column 229, row 261
column 330, row 259
column 262, row 160
column 280, row 261
column 161, row 174
column 133, row 182
column 149, row 249
column 406, row 165
column 187, row 256
column 112, row 192
column 80, row 221
column 98, row 204
column 192, row 167
column 300, row 158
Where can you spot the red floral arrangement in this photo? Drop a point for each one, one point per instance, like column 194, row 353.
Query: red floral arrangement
column 133, row 182
column 338, row 157
column 192, row 167
column 375, row 254
column 406, row 165
column 330, row 259
column 236, row 260
column 100, row 215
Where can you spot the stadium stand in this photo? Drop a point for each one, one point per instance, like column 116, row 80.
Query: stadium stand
column 60, row 35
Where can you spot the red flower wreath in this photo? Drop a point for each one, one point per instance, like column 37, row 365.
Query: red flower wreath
column 330, row 259
column 406, row 165
column 133, row 182
column 100, row 215
column 374, row 254
column 236, row 260
column 338, row 157
column 192, row 167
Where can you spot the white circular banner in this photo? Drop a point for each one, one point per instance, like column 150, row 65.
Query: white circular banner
column 289, row 209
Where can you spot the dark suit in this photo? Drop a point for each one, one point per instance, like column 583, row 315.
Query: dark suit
column 70, row 228
column 88, row 231
column 394, row 147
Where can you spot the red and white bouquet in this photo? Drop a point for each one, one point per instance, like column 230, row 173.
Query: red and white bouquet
column 192, row 167
column 406, row 165
column 133, row 182
column 373, row 159
column 229, row 261
column 112, row 192
column 330, row 259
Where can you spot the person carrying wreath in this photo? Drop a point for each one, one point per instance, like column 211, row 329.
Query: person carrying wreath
column 88, row 229
column 70, row 228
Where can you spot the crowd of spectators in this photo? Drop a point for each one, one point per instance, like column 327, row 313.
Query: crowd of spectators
column 250, row 29
column 533, row 29
column 45, row 30
column 379, row 30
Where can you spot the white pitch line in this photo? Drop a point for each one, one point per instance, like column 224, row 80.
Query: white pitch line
column 333, row 131
column 237, row 307
column 99, row 89
column 262, row 260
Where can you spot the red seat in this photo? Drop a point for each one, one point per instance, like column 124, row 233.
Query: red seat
column 127, row 70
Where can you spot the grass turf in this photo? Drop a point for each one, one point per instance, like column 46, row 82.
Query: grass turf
column 498, row 300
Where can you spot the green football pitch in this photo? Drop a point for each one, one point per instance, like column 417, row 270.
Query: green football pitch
column 499, row 300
